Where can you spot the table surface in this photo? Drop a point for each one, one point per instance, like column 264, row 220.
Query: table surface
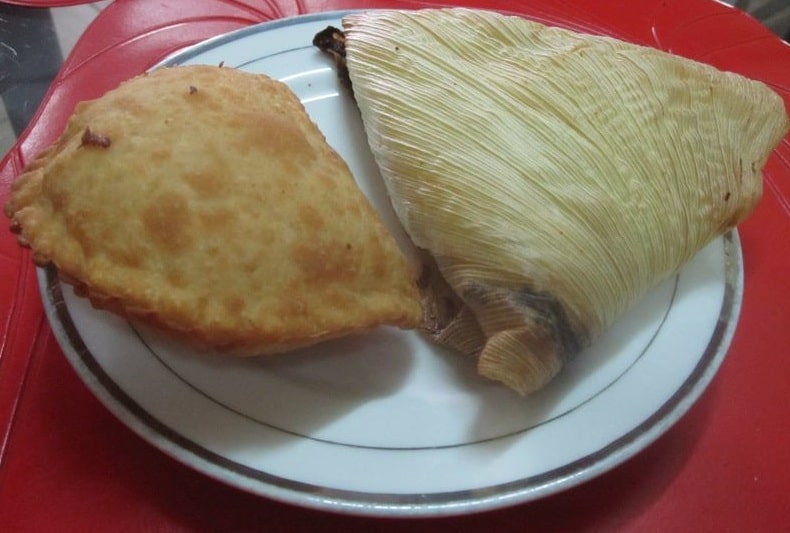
column 67, row 464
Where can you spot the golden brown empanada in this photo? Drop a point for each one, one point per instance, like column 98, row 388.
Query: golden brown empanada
column 553, row 177
column 202, row 200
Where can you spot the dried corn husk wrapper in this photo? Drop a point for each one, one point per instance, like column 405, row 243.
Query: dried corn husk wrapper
column 552, row 177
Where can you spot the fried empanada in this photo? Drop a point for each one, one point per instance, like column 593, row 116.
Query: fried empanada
column 553, row 177
column 203, row 201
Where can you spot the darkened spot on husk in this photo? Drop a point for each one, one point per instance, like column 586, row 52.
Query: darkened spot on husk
column 333, row 42
column 540, row 307
column 551, row 314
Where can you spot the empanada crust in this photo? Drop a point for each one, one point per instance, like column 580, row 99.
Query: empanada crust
column 203, row 201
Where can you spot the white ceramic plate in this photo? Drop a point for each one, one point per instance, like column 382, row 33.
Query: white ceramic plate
column 386, row 423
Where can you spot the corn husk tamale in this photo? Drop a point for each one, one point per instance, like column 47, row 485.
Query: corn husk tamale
column 552, row 177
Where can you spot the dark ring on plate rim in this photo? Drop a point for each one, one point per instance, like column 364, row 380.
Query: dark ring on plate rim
column 117, row 401
column 390, row 504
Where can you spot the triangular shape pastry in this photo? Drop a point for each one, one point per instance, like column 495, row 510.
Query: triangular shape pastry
column 203, row 201
column 554, row 177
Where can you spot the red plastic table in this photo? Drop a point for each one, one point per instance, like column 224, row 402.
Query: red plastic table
column 66, row 464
